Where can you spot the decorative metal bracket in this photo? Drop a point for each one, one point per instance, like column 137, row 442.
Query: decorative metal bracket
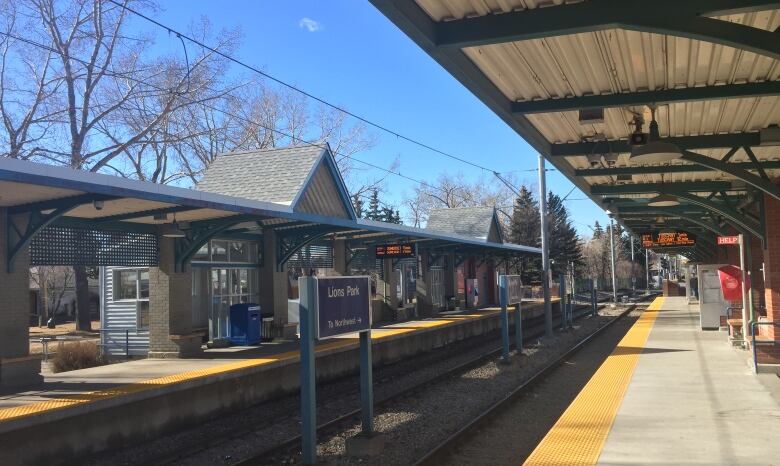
column 289, row 244
column 25, row 221
column 200, row 233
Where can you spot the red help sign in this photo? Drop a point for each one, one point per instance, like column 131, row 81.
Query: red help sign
column 728, row 240
column 731, row 282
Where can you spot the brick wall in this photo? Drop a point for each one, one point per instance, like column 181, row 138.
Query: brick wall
column 170, row 303
column 771, row 256
column 14, row 299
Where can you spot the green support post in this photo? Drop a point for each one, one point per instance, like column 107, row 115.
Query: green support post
column 308, row 299
column 503, row 296
column 518, row 329
column 366, row 383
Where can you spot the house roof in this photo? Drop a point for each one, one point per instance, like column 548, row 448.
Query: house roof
column 475, row 222
column 270, row 175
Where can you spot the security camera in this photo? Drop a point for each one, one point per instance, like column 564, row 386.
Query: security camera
column 98, row 205
column 611, row 158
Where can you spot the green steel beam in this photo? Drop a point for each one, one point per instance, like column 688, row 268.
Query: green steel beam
column 144, row 213
column 756, row 181
column 712, row 141
column 736, row 218
column 670, row 17
column 693, row 168
column 639, row 188
column 662, row 96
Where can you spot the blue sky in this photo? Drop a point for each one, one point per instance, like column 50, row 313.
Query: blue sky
column 346, row 52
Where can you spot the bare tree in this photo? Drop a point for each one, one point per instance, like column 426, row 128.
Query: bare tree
column 450, row 191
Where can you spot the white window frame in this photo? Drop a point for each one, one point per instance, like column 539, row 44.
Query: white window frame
column 138, row 299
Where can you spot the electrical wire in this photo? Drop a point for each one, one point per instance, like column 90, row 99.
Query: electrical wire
column 246, row 120
column 301, row 91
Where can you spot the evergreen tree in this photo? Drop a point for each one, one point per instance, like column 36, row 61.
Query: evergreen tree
column 564, row 242
column 358, row 204
column 525, row 229
column 598, row 232
column 373, row 207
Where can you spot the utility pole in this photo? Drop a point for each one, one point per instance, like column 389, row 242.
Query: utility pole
column 548, row 321
column 612, row 253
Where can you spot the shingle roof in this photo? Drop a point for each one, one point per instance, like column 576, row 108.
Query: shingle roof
column 271, row 175
column 467, row 221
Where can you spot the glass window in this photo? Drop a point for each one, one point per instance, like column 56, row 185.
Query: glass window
column 143, row 284
column 244, row 281
column 143, row 315
column 125, row 284
column 219, row 251
column 202, row 254
column 239, row 251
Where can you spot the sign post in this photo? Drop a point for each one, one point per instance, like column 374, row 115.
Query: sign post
column 740, row 240
column 330, row 307
column 511, row 292
column 308, row 309
column 503, row 297
column 745, row 329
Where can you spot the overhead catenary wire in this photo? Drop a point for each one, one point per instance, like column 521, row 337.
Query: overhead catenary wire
column 233, row 115
column 303, row 92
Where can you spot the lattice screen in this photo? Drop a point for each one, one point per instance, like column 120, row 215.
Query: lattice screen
column 318, row 256
column 365, row 263
column 56, row 245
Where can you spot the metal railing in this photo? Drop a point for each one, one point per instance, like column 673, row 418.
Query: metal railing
column 126, row 345
column 753, row 326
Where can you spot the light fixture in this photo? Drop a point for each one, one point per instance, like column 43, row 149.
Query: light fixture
column 655, row 151
column 97, row 204
column 663, row 200
column 172, row 230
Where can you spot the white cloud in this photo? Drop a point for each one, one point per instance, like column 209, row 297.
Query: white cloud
column 309, row 24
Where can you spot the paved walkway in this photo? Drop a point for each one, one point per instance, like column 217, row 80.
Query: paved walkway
column 670, row 394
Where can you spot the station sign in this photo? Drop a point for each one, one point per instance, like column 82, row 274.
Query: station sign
column 343, row 306
column 395, row 251
column 726, row 240
column 514, row 289
column 667, row 239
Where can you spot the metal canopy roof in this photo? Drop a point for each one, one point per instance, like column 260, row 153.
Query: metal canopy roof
column 710, row 66
column 63, row 196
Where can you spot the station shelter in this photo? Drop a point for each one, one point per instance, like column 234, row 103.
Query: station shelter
column 665, row 114
column 173, row 260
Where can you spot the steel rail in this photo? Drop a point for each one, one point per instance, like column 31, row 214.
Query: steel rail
column 443, row 450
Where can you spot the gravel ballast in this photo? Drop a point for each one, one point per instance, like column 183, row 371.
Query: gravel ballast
column 414, row 424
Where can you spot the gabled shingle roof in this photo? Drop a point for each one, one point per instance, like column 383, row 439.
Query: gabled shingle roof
column 271, row 175
column 475, row 222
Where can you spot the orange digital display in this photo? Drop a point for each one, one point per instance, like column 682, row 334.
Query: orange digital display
column 395, row 251
column 667, row 239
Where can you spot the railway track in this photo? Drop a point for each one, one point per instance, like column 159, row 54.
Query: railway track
column 491, row 437
column 293, row 443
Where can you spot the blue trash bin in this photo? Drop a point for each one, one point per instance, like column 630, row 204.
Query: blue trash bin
column 245, row 324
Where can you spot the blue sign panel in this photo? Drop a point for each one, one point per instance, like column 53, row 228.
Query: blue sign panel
column 343, row 306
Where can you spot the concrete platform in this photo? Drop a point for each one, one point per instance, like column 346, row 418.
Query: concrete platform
column 89, row 410
column 669, row 393
column 693, row 399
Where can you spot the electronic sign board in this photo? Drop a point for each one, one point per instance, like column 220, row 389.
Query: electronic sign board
column 395, row 251
column 667, row 239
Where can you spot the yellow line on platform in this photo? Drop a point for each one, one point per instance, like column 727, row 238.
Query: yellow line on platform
column 68, row 401
column 580, row 433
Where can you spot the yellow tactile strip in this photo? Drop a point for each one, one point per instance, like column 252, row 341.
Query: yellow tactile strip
column 69, row 401
column 579, row 435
